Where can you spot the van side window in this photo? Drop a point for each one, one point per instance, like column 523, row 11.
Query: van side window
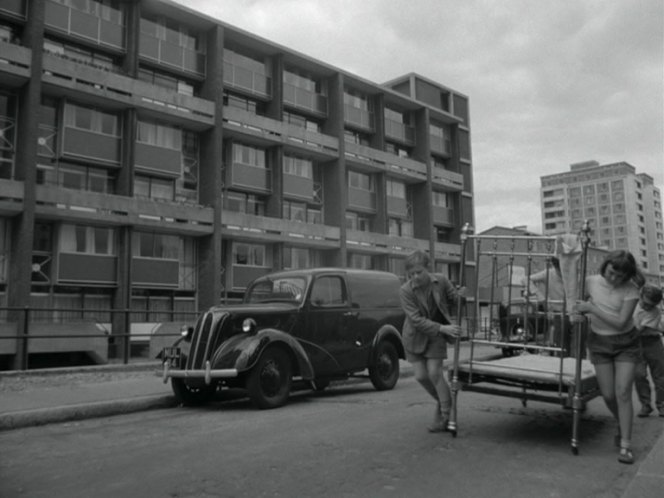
column 328, row 291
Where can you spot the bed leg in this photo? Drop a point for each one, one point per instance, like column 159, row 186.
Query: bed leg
column 577, row 408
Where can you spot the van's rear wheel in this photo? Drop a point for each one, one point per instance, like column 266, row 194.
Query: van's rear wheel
column 384, row 371
column 269, row 382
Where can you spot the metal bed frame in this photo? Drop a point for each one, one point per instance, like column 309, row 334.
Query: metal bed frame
column 541, row 371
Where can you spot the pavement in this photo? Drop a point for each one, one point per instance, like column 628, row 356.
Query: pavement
column 38, row 397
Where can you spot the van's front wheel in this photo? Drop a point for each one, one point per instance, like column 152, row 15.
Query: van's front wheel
column 269, row 382
column 384, row 370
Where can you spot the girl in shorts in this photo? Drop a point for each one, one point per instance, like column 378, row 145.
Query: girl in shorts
column 613, row 341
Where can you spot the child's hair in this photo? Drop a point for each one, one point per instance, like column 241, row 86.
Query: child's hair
column 623, row 262
column 652, row 293
column 417, row 257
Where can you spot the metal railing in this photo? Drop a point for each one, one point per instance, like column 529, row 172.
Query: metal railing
column 111, row 332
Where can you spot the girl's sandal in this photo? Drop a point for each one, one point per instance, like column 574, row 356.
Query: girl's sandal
column 626, row 456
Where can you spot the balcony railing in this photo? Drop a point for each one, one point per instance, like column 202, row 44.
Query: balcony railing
column 399, row 131
column 249, row 176
column 172, row 55
column 247, row 80
column 443, row 216
column 360, row 118
column 305, row 99
column 14, row 7
column 75, row 22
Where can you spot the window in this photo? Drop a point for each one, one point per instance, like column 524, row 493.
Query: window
column 396, row 189
column 91, row 119
column 361, row 261
column 76, row 177
column 301, row 122
column 159, row 135
column 296, row 257
column 440, row 199
column 361, row 181
column 355, row 137
column 358, row 222
column 295, row 211
column 400, row 228
column 244, row 103
column 328, row 291
column 87, row 240
column 248, row 254
column 167, row 81
column 157, row 246
column 240, row 202
column 249, row 156
column 297, row 166
column 355, row 99
column 154, row 188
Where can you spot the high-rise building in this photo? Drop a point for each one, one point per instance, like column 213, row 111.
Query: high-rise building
column 154, row 158
column 623, row 207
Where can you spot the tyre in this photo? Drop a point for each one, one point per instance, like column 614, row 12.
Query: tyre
column 189, row 395
column 269, row 382
column 384, row 371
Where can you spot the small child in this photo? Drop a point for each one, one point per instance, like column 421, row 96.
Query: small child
column 649, row 322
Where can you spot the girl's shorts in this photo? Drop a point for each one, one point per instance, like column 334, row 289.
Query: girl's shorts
column 611, row 348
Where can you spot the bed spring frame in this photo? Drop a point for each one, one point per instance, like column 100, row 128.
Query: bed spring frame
column 535, row 368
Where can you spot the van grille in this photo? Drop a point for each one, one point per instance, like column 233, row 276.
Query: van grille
column 200, row 343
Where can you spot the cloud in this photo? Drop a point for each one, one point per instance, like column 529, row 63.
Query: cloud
column 549, row 83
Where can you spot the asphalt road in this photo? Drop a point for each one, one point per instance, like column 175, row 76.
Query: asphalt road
column 349, row 441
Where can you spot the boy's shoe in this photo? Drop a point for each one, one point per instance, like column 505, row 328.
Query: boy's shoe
column 645, row 411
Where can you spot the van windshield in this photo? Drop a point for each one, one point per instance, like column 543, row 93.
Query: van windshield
column 290, row 289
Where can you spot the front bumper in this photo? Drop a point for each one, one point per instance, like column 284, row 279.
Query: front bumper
column 208, row 373
column 171, row 365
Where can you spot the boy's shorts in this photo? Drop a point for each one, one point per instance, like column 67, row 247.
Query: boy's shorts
column 613, row 348
column 436, row 348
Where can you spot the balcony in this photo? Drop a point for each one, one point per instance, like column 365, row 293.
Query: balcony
column 75, row 78
column 451, row 180
column 298, row 187
column 249, row 177
column 14, row 64
column 154, row 272
column 89, row 269
column 361, row 199
column 11, row 197
column 441, row 145
column 400, row 132
column 14, row 7
column 273, row 131
column 158, row 159
column 82, row 24
column 443, row 216
column 85, row 144
column 397, row 206
column 384, row 161
column 113, row 210
column 302, row 99
column 170, row 54
column 358, row 118
column 265, row 229
column 242, row 275
column 247, row 81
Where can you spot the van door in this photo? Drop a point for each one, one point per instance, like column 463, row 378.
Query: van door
column 331, row 322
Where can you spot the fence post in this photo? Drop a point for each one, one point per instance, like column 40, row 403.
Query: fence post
column 24, row 339
column 126, row 350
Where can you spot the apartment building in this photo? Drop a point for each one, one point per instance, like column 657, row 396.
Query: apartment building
column 153, row 158
column 623, row 207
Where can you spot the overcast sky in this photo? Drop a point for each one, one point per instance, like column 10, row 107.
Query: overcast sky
column 550, row 83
